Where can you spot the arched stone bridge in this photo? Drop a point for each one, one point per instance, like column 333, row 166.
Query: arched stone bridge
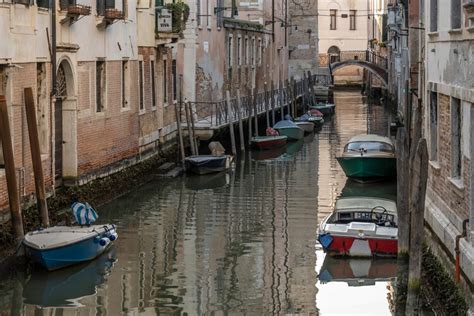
column 366, row 59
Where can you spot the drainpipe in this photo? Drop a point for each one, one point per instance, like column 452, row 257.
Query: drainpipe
column 53, row 49
column 458, row 251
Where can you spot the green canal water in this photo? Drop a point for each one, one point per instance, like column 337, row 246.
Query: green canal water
column 237, row 243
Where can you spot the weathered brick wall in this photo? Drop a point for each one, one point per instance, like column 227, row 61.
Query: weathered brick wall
column 19, row 79
column 456, row 198
column 111, row 135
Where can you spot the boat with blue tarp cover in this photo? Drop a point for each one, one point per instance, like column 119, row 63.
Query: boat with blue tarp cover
column 204, row 164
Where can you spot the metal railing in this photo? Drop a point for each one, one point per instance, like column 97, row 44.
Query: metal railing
column 216, row 114
column 364, row 55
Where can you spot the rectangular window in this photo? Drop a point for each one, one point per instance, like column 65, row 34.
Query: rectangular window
column 141, row 85
column 456, row 14
column 434, row 125
column 434, row 15
column 165, row 81
column 259, row 53
column 125, row 84
column 158, row 3
column 455, row 138
column 247, row 51
column 3, row 79
column 352, row 19
column 100, row 81
column 252, row 54
column 198, row 12
column 333, row 15
column 153, row 84
column 175, row 79
column 239, row 51
column 102, row 5
column 230, row 50
column 43, row 3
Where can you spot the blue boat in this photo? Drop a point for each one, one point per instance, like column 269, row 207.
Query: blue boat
column 61, row 246
column 289, row 129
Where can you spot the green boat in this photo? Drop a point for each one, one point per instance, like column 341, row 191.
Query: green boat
column 368, row 157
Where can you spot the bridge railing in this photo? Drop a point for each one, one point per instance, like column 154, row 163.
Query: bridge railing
column 365, row 55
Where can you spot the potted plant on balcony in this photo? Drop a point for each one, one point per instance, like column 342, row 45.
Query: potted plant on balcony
column 179, row 15
column 79, row 9
column 113, row 14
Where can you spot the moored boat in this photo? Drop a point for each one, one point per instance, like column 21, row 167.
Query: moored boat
column 317, row 120
column 367, row 157
column 289, row 129
column 268, row 142
column 204, row 164
column 60, row 246
column 360, row 227
column 306, row 126
column 325, row 108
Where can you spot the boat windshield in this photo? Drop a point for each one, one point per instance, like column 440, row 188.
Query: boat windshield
column 366, row 216
column 369, row 146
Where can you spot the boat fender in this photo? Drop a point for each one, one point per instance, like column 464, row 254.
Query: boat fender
column 104, row 241
column 113, row 236
column 325, row 240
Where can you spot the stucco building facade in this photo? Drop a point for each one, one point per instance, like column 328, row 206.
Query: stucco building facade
column 115, row 75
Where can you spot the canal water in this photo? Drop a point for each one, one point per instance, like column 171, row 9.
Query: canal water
column 237, row 243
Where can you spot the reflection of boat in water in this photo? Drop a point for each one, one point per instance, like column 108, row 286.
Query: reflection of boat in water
column 308, row 138
column 291, row 149
column 209, row 181
column 269, row 154
column 357, row 272
column 64, row 287
column 384, row 190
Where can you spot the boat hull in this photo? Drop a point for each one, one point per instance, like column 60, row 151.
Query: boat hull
column 366, row 168
column 293, row 133
column 268, row 142
column 57, row 258
column 358, row 247
column 325, row 109
column 212, row 165
column 307, row 127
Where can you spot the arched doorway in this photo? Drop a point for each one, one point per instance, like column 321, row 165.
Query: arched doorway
column 65, row 100
column 334, row 54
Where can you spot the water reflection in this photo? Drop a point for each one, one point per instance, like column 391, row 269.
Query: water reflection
column 236, row 243
column 66, row 287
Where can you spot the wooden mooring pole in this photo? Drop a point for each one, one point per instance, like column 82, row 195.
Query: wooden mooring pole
column 177, row 112
column 241, row 125
column 255, row 111
column 272, row 101
column 417, row 208
column 190, row 129
column 266, row 101
column 196, row 144
column 10, row 172
column 231, row 123
column 249, row 106
column 36, row 156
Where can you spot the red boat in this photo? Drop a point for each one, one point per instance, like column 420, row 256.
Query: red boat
column 268, row 142
column 361, row 227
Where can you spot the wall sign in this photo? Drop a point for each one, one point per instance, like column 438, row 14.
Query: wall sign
column 164, row 22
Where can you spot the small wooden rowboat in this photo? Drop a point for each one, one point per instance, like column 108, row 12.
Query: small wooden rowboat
column 367, row 157
column 204, row 164
column 268, row 142
column 60, row 246
column 360, row 227
column 289, row 129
